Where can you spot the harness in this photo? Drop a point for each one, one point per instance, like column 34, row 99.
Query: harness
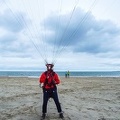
column 52, row 83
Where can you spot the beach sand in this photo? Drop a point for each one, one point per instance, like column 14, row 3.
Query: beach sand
column 81, row 98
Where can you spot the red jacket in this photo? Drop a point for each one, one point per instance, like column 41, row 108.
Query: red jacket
column 50, row 76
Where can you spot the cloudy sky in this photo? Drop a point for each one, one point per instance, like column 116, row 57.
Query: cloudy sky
column 73, row 34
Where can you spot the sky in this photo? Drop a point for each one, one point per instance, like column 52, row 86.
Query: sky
column 72, row 34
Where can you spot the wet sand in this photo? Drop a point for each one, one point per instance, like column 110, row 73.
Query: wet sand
column 81, row 98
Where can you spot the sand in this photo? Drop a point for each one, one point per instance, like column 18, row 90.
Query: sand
column 88, row 98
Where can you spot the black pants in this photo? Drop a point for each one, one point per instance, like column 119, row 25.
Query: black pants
column 47, row 93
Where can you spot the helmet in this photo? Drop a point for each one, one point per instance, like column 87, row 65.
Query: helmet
column 49, row 66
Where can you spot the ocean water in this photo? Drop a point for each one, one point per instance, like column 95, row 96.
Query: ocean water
column 62, row 73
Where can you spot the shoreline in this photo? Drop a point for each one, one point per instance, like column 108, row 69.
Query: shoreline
column 81, row 98
column 37, row 77
column 36, row 74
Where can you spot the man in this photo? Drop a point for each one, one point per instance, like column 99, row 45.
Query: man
column 48, row 81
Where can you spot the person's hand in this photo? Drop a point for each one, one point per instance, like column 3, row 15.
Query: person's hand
column 41, row 85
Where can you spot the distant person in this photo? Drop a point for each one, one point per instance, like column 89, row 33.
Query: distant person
column 68, row 73
column 48, row 81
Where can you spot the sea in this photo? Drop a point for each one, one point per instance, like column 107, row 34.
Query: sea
column 36, row 74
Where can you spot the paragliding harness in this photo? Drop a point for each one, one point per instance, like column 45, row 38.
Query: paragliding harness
column 52, row 83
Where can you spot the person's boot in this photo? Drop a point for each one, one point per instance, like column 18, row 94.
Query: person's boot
column 61, row 115
column 43, row 116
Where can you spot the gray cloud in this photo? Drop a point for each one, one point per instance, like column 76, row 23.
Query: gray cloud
column 11, row 40
column 83, row 35
column 11, row 45
column 11, row 21
column 64, row 28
